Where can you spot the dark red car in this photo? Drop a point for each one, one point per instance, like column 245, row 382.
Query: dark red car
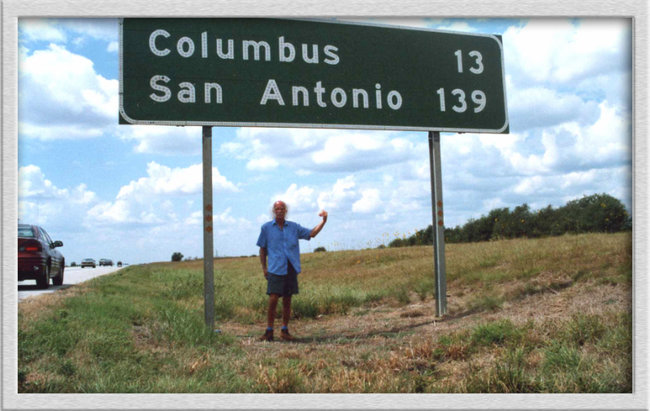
column 38, row 257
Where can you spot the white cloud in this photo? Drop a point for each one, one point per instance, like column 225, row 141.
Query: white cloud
column 196, row 218
column 559, row 51
column 392, row 21
column 340, row 197
column 271, row 147
column 61, row 30
column 410, row 197
column 262, row 164
column 118, row 212
column 343, row 196
column 460, row 26
column 492, row 203
column 542, row 106
column 32, row 183
column 529, row 185
column 609, row 138
column 163, row 180
column 224, row 222
column 596, row 46
column 99, row 29
column 41, row 29
column 40, row 201
column 306, row 150
column 158, row 227
column 570, row 146
column 263, row 218
column 162, row 140
column 556, row 149
column 298, row 199
column 369, row 202
column 579, row 178
column 147, row 201
column 62, row 97
column 350, row 151
column 227, row 224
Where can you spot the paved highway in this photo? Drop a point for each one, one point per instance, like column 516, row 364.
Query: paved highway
column 73, row 275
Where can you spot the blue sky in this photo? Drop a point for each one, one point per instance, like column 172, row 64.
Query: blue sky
column 134, row 193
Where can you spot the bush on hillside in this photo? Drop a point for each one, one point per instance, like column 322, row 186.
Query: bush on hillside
column 590, row 214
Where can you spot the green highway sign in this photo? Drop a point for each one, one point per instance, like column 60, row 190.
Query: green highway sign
column 309, row 73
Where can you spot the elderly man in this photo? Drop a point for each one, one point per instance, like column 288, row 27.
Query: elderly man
column 279, row 241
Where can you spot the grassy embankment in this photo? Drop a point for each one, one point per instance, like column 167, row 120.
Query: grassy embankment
column 547, row 315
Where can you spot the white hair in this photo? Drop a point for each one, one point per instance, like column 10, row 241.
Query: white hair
column 273, row 208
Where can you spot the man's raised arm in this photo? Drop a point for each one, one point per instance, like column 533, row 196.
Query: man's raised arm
column 320, row 225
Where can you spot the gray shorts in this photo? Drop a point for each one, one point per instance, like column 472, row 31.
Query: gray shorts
column 284, row 285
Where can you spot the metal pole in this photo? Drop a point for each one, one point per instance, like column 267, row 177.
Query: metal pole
column 438, row 223
column 208, row 240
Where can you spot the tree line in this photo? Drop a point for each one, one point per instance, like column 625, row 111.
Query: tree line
column 594, row 213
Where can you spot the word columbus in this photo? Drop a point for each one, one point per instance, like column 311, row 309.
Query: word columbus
column 251, row 49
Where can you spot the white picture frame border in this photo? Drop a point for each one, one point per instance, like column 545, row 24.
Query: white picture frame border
column 13, row 10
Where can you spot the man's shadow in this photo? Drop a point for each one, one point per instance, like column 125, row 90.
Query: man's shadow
column 350, row 337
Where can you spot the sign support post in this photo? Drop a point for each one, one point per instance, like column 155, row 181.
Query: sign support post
column 208, row 239
column 438, row 232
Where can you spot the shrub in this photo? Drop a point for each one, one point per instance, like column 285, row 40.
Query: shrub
column 597, row 213
column 177, row 256
column 320, row 250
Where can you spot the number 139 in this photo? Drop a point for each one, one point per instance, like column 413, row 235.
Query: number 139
column 478, row 98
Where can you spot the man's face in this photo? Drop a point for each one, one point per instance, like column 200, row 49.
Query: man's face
column 280, row 210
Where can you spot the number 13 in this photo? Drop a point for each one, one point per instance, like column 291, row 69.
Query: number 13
column 478, row 61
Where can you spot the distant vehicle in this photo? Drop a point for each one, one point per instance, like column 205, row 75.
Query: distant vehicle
column 119, row 264
column 38, row 257
column 105, row 261
column 88, row 262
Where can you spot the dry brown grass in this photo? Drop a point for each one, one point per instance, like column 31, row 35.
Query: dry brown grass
column 385, row 344
column 379, row 350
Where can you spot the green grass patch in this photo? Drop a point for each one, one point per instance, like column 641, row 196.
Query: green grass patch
column 486, row 303
column 583, row 329
column 499, row 332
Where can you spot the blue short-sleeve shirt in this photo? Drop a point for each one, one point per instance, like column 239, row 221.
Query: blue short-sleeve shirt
column 282, row 245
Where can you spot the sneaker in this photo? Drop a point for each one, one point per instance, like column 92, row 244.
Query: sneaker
column 285, row 336
column 268, row 336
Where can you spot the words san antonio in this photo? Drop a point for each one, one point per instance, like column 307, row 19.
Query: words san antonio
column 161, row 44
